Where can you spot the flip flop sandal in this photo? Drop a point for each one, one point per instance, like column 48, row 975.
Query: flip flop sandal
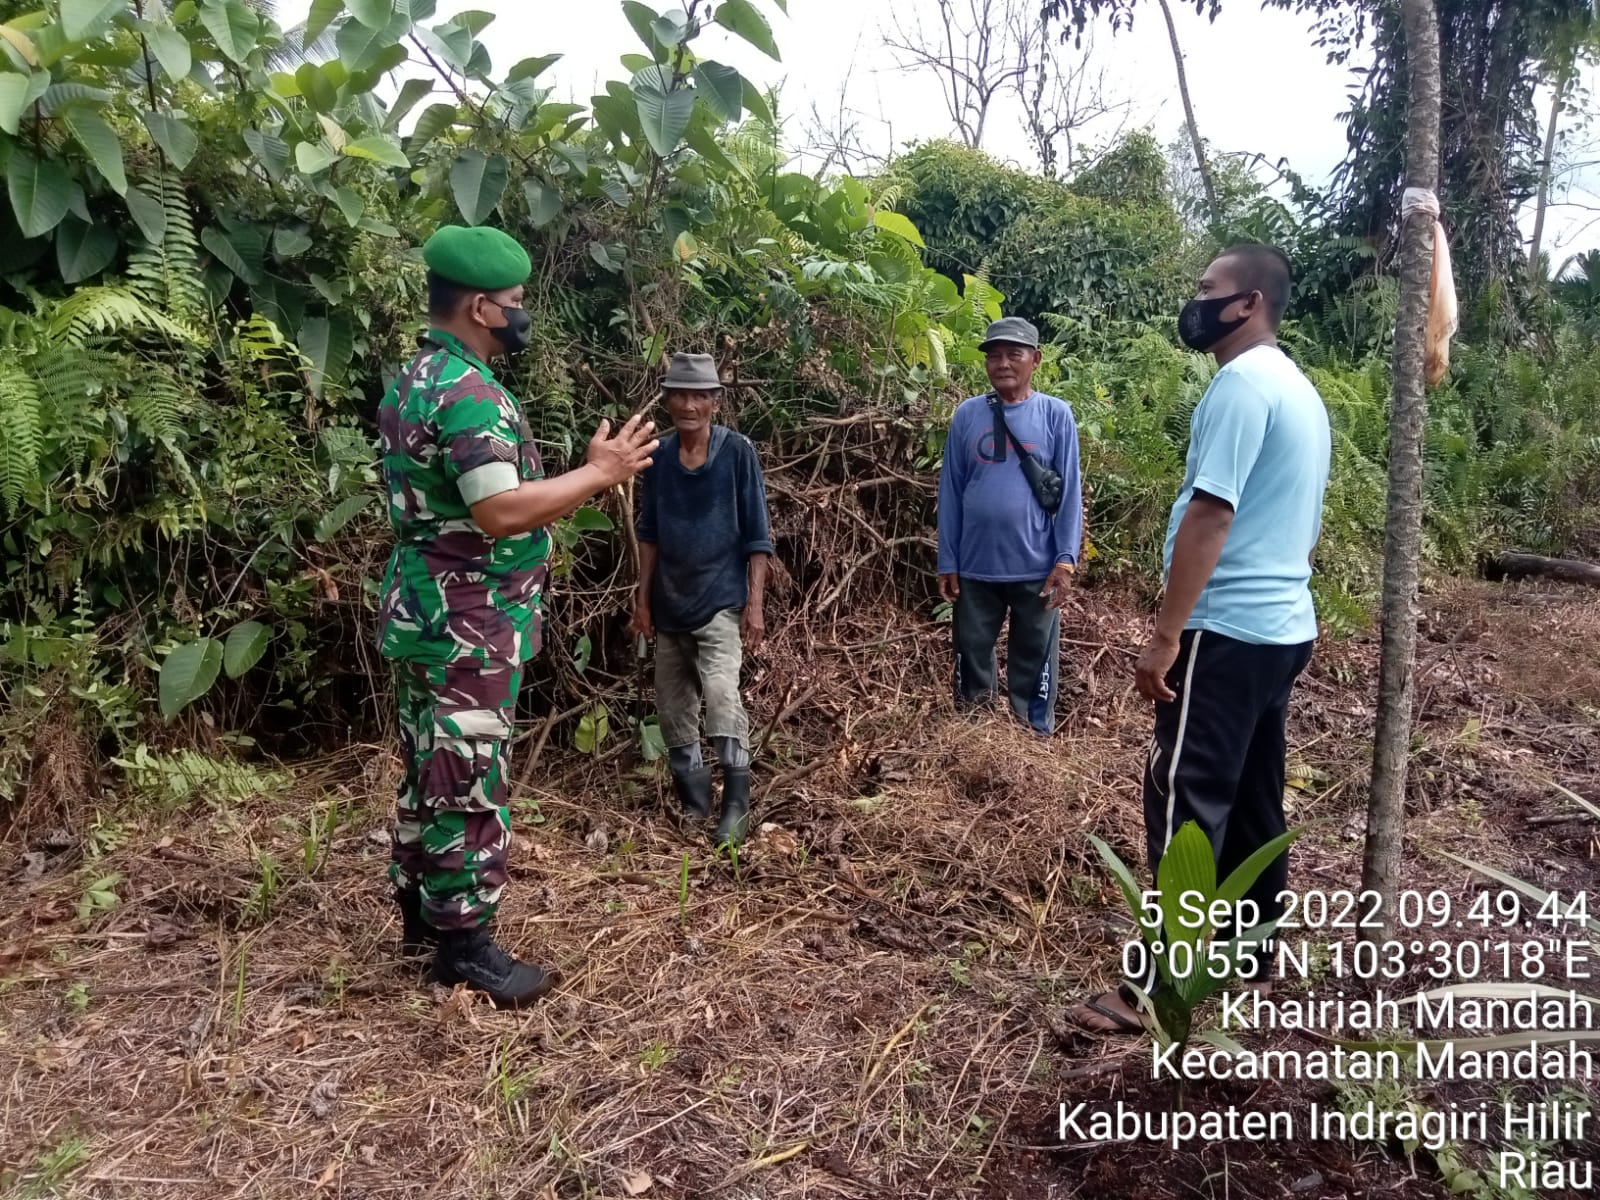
column 1119, row 1023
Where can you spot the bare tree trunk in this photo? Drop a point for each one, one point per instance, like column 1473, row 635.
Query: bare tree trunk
column 1403, row 528
column 1188, row 113
column 1546, row 170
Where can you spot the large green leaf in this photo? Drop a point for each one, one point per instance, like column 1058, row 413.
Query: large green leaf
column 1243, row 877
column 233, row 27
column 271, row 151
column 1125, row 882
column 756, row 102
column 412, row 93
column 82, row 18
column 743, row 18
column 170, row 47
column 83, row 250
column 351, row 205
column 13, row 99
column 314, row 157
column 291, row 241
column 187, row 674
column 361, row 48
column 340, row 515
column 474, row 20
column 670, row 28
column 451, row 42
column 898, row 224
column 703, row 140
column 544, row 202
column 244, row 646
column 1188, row 866
column 435, row 119
column 178, row 141
column 379, row 148
column 722, row 88
column 59, row 98
column 147, row 214
column 477, row 181
column 589, row 519
column 374, row 14
column 323, row 13
column 214, row 240
column 100, row 143
column 318, row 90
column 664, row 111
column 531, row 68
column 41, row 191
column 642, row 17
column 328, row 344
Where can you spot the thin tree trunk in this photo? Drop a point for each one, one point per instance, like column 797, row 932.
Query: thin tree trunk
column 1188, row 113
column 1403, row 526
column 1546, row 169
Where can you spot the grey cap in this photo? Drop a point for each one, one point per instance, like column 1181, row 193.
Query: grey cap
column 1011, row 329
column 691, row 373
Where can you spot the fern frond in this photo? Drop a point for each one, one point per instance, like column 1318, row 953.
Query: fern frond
column 21, row 432
column 168, row 276
column 157, row 405
column 112, row 311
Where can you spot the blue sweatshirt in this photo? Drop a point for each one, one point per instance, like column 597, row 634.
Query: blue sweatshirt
column 990, row 526
column 705, row 525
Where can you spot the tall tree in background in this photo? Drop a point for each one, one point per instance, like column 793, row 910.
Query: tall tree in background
column 973, row 55
column 1573, row 47
column 984, row 51
column 1064, row 94
column 1195, row 140
column 1493, row 56
column 1408, row 408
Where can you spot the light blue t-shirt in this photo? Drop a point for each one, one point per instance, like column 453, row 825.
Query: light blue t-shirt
column 1259, row 440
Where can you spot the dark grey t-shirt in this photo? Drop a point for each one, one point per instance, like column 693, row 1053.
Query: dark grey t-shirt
column 705, row 524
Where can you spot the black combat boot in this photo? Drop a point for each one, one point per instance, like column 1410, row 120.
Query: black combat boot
column 693, row 789
column 417, row 937
column 472, row 957
column 735, row 821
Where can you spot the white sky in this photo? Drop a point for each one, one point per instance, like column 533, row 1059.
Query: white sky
column 834, row 56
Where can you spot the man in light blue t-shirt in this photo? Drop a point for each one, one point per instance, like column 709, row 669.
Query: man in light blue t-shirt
column 1237, row 624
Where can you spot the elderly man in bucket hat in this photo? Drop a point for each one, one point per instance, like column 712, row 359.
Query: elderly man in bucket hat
column 1010, row 527
column 704, row 551
column 460, row 607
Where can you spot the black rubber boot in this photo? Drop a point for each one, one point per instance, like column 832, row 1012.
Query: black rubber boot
column 472, row 957
column 694, row 791
column 417, row 937
column 735, row 821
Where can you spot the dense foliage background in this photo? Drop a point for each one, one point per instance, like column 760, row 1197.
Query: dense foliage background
column 211, row 272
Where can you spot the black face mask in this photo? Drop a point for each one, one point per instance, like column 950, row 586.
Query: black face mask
column 517, row 332
column 1201, row 326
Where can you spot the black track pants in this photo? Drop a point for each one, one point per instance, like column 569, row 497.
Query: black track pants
column 1217, row 757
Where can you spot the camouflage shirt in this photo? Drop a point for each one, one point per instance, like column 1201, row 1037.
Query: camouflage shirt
column 452, row 436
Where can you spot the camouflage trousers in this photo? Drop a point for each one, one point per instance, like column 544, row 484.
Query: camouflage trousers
column 452, row 829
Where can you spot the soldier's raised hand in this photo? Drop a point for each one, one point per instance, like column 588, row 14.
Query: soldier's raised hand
column 627, row 453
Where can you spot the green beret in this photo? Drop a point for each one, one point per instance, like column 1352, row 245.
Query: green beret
column 479, row 257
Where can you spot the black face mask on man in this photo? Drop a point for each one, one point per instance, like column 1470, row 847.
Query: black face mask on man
column 517, row 332
column 1201, row 324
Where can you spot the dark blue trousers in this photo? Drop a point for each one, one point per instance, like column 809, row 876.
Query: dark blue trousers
column 1032, row 648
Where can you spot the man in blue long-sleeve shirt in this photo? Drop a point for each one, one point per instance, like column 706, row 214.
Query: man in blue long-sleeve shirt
column 1000, row 552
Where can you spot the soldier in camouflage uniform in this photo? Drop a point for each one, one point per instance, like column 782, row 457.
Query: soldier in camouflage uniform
column 460, row 611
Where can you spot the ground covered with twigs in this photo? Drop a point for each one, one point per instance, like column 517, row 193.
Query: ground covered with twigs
column 201, row 994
